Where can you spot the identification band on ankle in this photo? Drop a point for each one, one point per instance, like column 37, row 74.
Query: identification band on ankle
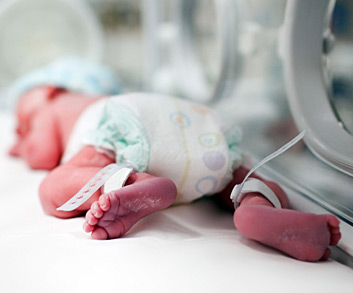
column 111, row 177
column 255, row 185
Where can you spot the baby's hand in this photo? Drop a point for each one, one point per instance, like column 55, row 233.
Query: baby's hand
column 15, row 150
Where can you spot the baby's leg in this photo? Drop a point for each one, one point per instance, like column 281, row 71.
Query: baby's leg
column 66, row 180
column 117, row 211
column 303, row 236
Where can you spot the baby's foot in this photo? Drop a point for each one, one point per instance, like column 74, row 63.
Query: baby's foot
column 303, row 236
column 117, row 211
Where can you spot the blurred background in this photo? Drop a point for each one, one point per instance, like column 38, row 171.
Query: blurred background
column 224, row 53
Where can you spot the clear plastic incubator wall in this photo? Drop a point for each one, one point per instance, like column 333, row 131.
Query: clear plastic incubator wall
column 279, row 67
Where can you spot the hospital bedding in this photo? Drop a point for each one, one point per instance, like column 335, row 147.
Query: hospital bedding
column 188, row 248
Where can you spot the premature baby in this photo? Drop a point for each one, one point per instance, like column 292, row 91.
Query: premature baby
column 180, row 152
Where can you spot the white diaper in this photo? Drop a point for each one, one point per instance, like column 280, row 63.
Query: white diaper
column 86, row 123
column 167, row 137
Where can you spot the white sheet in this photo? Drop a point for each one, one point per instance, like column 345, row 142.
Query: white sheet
column 191, row 248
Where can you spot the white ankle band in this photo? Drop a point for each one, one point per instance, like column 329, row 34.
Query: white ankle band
column 119, row 173
column 254, row 185
column 117, row 180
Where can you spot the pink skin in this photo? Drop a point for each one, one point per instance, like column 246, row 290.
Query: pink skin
column 142, row 195
column 46, row 119
column 304, row 236
column 46, row 116
column 116, row 212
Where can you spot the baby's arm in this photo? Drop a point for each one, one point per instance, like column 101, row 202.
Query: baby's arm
column 41, row 147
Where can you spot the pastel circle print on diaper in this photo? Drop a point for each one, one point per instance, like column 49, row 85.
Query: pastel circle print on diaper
column 210, row 139
column 180, row 119
column 206, row 185
column 200, row 109
column 214, row 160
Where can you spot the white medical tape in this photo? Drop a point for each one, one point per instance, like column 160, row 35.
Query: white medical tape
column 255, row 185
column 117, row 180
column 238, row 190
column 120, row 172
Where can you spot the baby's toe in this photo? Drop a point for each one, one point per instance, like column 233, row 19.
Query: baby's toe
column 96, row 210
column 91, row 219
column 104, row 202
column 326, row 255
column 99, row 234
column 332, row 221
column 87, row 227
column 333, row 225
column 335, row 238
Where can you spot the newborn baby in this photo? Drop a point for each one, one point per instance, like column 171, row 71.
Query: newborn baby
column 180, row 152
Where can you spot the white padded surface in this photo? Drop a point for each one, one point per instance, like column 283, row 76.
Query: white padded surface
column 190, row 248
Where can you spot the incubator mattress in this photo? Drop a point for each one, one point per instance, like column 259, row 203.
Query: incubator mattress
column 189, row 248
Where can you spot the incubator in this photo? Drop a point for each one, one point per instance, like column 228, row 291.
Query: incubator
column 277, row 66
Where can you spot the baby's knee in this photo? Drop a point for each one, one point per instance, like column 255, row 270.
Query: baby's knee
column 47, row 197
column 51, row 197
